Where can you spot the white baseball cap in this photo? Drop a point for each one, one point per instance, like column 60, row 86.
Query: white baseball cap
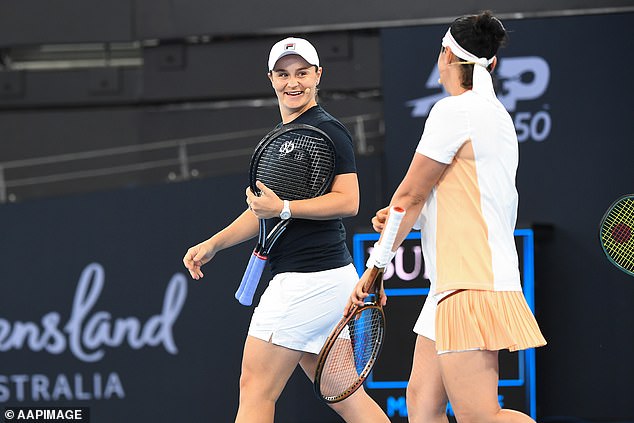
column 293, row 45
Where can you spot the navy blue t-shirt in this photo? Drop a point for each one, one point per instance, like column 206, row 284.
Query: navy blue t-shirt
column 316, row 245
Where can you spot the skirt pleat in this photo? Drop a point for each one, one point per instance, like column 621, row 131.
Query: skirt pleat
column 487, row 320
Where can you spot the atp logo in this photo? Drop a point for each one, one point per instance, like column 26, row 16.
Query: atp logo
column 520, row 79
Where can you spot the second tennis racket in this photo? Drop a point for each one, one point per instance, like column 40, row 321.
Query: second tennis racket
column 352, row 348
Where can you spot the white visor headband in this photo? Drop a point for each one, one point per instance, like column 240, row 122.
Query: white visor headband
column 449, row 41
column 482, row 82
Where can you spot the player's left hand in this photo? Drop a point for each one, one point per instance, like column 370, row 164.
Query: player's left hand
column 378, row 221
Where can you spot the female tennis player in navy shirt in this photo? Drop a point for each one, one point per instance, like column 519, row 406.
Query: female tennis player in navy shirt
column 311, row 265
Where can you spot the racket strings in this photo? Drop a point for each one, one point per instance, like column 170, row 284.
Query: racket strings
column 296, row 165
column 617, row 234
column 352, row 355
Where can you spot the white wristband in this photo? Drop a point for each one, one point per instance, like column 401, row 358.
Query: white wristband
column 380, row 256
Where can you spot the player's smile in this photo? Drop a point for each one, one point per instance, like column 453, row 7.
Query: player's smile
column 294, row 93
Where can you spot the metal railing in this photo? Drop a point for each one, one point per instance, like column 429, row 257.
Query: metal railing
column 176, row 159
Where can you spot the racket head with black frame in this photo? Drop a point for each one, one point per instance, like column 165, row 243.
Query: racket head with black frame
column 616, row 233
column 297, row 162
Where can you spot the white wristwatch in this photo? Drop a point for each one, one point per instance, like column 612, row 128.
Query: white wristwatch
column 285, row 214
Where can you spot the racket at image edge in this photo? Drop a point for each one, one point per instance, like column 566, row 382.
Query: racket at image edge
column 616, row 233
column 297, row 162
column 354, row 345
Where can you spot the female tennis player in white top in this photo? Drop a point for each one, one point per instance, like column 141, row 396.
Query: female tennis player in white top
column 460, row 189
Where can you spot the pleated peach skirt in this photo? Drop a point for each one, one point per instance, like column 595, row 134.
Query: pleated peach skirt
column 486, row 320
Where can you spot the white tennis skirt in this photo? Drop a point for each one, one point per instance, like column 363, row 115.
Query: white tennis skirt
column 426, row 323
column 299, row 310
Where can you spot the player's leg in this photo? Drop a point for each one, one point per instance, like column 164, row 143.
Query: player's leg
column 357, row 408
column 265, row 370
column 471, row 381
column 426, row 396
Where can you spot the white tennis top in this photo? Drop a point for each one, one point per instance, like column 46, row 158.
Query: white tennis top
column 469, row 218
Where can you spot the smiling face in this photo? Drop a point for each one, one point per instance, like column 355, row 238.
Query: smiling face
column 295, row 83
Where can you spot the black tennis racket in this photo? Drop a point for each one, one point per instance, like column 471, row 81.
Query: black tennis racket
column 616, row 233
column 352, row 348
column 297, row 162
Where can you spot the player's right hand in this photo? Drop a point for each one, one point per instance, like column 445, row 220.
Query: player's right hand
column 358, row 294
column 196, row 257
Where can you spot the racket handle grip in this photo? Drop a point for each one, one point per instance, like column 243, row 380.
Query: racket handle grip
column 391, row 226
column 382, row 253
column 250, row 281
column 247, row 271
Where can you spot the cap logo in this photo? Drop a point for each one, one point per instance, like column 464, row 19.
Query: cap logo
column 289, row 46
